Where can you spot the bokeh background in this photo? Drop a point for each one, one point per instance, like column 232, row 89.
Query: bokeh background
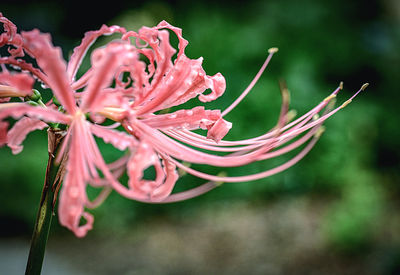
column 335, row 212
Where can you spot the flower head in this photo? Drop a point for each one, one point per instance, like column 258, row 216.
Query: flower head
column 129, row 82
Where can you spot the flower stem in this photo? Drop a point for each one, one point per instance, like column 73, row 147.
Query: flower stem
column 46, row 206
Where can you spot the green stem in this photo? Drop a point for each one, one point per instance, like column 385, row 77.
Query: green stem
column 46, row 207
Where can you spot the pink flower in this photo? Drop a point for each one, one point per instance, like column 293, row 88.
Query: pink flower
column 84, row 158
column 121, row 87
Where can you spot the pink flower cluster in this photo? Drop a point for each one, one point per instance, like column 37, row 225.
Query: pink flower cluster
column 121, row 87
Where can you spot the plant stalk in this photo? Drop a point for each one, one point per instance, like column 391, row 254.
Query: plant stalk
column 46, row 206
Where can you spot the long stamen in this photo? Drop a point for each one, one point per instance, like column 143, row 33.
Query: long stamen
column 271, row 52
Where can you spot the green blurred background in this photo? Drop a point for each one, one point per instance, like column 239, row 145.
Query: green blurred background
column 336, row 212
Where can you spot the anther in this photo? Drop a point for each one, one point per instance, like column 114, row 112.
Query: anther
column 272, row 50
column 319, row 132
column 363, row 87
column 328, row 98
column 347, row 102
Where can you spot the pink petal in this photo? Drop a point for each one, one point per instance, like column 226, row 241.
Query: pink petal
column 10, row 30
column 73, row 193
column 161, row 53
column 10, row 36
column 172, row 83
column 195, row 118
column 178, row 31
column 164, row 190
column 20, row 130
column 164, row 182
column 83, row 157
column 50, row 60
column 219, row 129
column 15, row 85
column 104, row 63
column 192, row 119
column 25, row 67
column 217, row 85
column 80, row 51
column 118, row 139
column 184, row 81
column 17, row 110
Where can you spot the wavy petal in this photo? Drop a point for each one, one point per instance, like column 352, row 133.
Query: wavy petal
column 20, row 130
column 50, row 60
column 17, row 110
column 10, row 36
column 165, row 189
column 15, row 85
column 183, row 82
column 80, row 51
column 73, row 193
column 164, row 182
column 25, row 66
column 105, row 62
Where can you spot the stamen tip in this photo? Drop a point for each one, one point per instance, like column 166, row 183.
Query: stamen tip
column 291, row 114
column 341, row 85
column 272, row 50
column 363, row 87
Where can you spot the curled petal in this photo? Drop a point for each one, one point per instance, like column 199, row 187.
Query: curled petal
column 219, row 129
column 184, row 81
column 15, row 85
column 80, row 51
column 217, row 85
column 105, row 62
column 178, row 31
column 10, row 30
column 164, row 182
column 173, row 83
column 165, row 189
column 10, row 36
column 20, row 130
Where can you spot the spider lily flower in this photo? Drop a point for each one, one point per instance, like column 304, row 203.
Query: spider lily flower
column 123, row 88
column 83, row 156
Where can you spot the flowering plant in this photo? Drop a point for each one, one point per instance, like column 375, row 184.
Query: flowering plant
column 132, row 82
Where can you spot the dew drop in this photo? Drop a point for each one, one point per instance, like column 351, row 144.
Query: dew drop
column 172, row 116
